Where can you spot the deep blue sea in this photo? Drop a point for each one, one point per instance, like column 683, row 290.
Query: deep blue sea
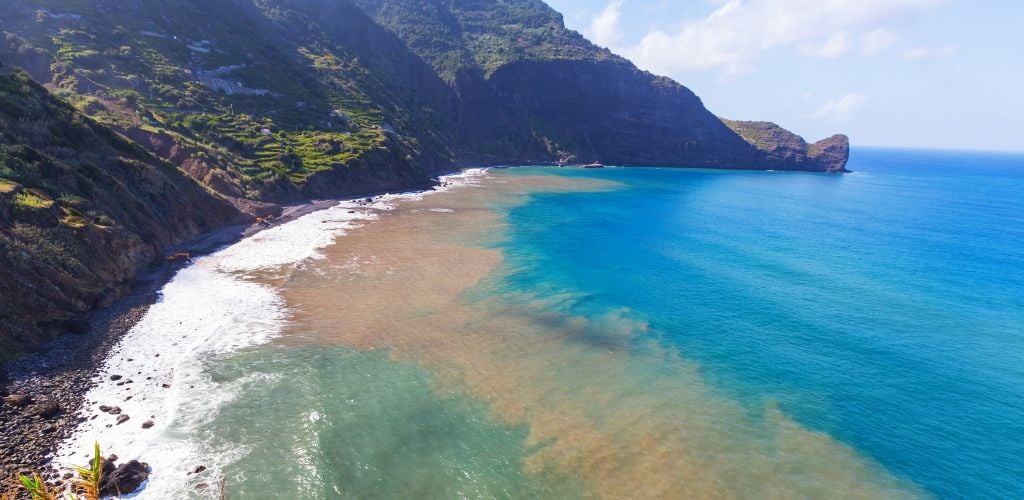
column 884, row 307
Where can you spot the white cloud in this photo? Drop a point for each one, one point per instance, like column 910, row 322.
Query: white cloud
column 876, row 41
column 605, row 29
column 919, row 53
column 833, row 47
column 839, row 109
column 735, row 35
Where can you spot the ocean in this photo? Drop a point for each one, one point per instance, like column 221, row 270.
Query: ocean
column 538, row 332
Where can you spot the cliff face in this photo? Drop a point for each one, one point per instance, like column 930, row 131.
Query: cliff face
column 617, row 114
column 788, row 151
column 271, row 101
column 527, row 89
column 81, row 212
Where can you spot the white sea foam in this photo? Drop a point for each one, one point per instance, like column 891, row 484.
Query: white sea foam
column 208, row 310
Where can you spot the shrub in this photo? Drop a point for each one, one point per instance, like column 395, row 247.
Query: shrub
column 85, row 487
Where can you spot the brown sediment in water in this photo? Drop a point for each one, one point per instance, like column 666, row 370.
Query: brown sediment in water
column 604, row 403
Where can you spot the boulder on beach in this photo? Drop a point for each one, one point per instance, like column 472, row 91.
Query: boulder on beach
column 126, row 478
column 46, row 409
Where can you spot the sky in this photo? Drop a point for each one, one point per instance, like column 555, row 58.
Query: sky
column 943, row 74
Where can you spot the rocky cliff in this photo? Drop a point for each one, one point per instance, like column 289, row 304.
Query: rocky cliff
column 778, row 146
column 82, row 210
column 271, row 101
column 526, row 88
column 432, row 82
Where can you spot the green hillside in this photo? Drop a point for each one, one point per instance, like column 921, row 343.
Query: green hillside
column 81, row 211
column 285, row 100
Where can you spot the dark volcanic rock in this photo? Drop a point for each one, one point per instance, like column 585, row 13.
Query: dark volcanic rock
column 125, row 479
column 148, row 424
column 109, row 466
column 64, row 372
column 113, row 410
column 122, row 419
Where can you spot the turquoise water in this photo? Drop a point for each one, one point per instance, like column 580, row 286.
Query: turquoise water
column 885, row 308
column 329, row 423
column 686, row 313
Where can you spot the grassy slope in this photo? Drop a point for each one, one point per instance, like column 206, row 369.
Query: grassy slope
column 328, row 104
column 81, row 211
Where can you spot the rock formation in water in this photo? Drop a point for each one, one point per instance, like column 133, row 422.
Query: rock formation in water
column 778, row 146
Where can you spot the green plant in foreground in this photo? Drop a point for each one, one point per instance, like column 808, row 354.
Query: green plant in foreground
column 86, row 487
column 89, row 478
column 36, row 487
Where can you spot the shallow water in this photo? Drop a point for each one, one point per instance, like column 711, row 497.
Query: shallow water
column 620, row 333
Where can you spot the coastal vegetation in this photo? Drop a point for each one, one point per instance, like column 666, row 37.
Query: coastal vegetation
column 86, row 486
column 99, row 478
column 264, row 95
column 81, row 210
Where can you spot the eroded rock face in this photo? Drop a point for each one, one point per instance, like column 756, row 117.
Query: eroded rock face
column 832, row 153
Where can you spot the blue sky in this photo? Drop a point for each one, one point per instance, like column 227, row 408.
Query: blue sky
column 910, row 73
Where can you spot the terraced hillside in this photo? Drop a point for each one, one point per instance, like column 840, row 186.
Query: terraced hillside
column 284, row 100
column 268, row 94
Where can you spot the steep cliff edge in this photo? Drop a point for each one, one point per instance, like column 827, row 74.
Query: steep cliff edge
column 82, row 210
column 527, row 88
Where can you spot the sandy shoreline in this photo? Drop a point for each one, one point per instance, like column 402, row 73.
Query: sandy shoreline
column 58, row 378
